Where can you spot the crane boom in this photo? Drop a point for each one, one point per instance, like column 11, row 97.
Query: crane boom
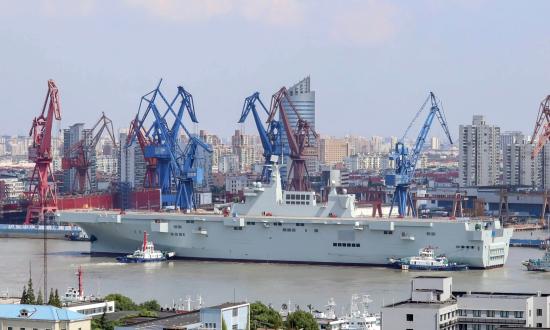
column 541, row 133
column 79, row 155
column 41, row 193
column 270, row 136
column 405, row 162
column 298, row 139
column 174, row 166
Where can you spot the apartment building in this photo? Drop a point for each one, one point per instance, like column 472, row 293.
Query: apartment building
column 479, row 153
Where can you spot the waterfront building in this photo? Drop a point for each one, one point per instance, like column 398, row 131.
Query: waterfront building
column 434, row 305
column 17, row 316
column 479, row 153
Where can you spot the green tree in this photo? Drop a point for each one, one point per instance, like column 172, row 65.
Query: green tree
column 102, row 323
column 262, row 316
column 150, row 305
column 24, row 297
column 301, row 320
column 51, row 298
column 146, row 313
column 31, row 299
column 40, row 298
column 122, row 303
column 57, row 300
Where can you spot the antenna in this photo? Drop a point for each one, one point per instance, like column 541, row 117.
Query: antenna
column 45, row 256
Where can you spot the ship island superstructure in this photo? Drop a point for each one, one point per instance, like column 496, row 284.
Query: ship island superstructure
column 274, row 225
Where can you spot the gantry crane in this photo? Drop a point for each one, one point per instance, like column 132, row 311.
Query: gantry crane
column 298, row 139
column 79, row 155
column 270, row 135
column 405, row 162
column 541, row 134
column 135, row 132
column 42, row 193
column 175, row 165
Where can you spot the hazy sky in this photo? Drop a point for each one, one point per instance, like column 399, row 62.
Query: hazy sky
column 371, row 62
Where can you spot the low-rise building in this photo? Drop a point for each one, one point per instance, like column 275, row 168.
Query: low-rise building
column 433, row 305
column 16, row 317
column 235, row 316
column 92, row 308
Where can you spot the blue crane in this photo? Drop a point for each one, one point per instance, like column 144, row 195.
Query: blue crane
column 405, row 161
column 270, row 135
column 175, row 170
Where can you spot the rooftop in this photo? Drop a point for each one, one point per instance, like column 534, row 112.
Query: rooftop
column 421, row 304
column 177, row 321
column 226, row 305
column 39, row 312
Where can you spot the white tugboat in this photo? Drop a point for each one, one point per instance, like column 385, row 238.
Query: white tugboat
column 147, row 253
column 426, row 260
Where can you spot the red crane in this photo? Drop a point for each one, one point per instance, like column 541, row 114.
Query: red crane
column 298, row 139
column 542, row 127
column 79, row 155
column 151, row 178
column 42, row 194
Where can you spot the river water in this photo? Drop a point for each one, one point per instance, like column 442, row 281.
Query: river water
column 218, row 282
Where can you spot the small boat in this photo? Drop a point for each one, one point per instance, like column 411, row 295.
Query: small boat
column 426, row 260
column 147, row 253
column 539, row 265
column 359, row 317
column 78, row 236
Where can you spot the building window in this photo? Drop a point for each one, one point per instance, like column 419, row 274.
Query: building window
column 504, row 314
column 539, row 311
column 410, row 317
column 518, row 314
column 539, row 325
column 476, row 313
column 490, row 313
column 235, row 312
column 234, row 327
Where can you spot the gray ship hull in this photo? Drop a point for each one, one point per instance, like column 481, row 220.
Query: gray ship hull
column 364, row 241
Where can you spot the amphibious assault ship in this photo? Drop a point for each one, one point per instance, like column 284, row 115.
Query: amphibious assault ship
column 274, row 225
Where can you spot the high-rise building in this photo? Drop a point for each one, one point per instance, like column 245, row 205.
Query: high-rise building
column 511, row 137
column 521, row 169
column 71, row 136
column 479, row 155
column 247, row 148
column 332, row 151
column 132, row 165
column 435, row 144
column 303, row 99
